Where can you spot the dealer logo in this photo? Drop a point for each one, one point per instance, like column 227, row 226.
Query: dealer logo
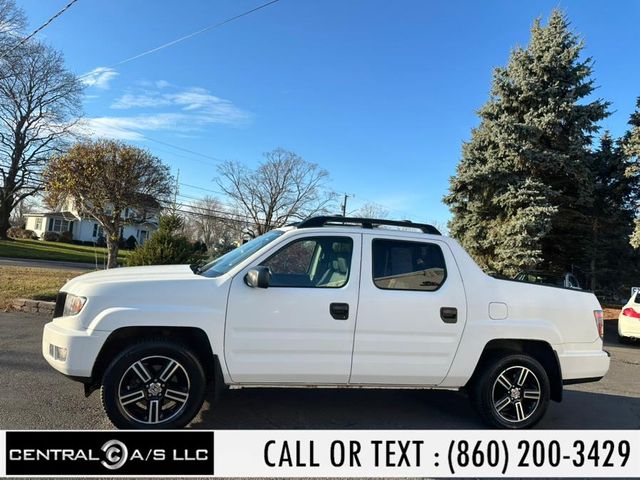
column 115, row 454
column 122, row 453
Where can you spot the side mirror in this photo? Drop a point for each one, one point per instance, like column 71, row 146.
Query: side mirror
column 258, row 277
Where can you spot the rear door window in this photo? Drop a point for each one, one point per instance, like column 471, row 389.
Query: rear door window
column 407, row 265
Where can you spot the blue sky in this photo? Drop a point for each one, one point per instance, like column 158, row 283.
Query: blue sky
column 380, row 93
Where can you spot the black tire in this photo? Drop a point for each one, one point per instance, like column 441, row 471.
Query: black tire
column 130, row 402
column 516, row 405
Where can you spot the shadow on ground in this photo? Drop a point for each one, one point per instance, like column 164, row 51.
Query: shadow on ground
column 397, row 409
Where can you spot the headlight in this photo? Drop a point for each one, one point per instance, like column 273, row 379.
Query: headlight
column 73, row 305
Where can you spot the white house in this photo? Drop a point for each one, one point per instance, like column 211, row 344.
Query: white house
column 84, row 229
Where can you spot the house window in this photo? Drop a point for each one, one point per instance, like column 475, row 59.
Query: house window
column 142, row 236
column 97, row 231
column 38, row 224
column 59, row 225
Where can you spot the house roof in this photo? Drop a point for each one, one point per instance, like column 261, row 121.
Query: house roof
column 64, row 215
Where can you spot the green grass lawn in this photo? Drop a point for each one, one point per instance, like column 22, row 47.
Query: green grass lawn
column 68, row 252
column 34, row 283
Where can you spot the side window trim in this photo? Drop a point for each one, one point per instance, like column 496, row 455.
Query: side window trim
column 415, row 241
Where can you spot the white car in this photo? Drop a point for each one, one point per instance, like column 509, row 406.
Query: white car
column 629, row 319
column 331, row 302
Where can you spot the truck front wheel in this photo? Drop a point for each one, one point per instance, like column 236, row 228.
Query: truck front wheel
column 512, row 392
column 153, row 384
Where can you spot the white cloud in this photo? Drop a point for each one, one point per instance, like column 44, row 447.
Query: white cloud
column 194, row 99
column 99, row 77
column 130, row 100
column 134, row 127
column 161, row 106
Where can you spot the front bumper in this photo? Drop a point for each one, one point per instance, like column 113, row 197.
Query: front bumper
column 628, row 327
column 81, row 349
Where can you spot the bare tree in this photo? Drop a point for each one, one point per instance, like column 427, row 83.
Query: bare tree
column 371, row 210
column 210, row 223
column 106, row 179
column 12, row 23
column 39, row 105
column 27, row 205
column 284, row 187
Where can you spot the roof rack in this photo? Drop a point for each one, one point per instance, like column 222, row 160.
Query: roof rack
column 321, row 221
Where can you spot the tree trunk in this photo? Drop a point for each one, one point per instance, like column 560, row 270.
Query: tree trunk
column 112, row 251
column 5, row 216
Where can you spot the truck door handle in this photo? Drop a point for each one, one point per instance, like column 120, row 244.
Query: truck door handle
column 449, row 314
column 339, row 311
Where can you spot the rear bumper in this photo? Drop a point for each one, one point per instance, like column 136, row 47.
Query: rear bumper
column 628, row 327
column 581, row 366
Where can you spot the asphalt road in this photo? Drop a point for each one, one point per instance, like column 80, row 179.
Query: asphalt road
column 32, row 395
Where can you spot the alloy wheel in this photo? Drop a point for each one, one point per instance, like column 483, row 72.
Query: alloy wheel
column 154, row 390
column 516, row 394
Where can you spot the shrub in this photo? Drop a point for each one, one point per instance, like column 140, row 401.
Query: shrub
column 19, row 232
column 167, row 246
column 199, row 246
column 66, row 237
column 51, row 236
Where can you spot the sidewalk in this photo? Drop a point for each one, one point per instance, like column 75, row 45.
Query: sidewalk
column 26, row 262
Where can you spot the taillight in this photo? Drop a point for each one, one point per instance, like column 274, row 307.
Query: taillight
column 630, row 312
column 599, row 316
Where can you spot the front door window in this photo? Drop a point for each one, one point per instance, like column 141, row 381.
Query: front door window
column 312, row 262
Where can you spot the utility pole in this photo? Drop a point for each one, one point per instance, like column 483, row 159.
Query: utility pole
column 344, row 205
column 175, row 192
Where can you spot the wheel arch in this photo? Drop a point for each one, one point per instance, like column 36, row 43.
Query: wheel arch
column 541, row 350
column 193, row 337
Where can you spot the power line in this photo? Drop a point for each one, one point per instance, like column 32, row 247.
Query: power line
column 192, row 152
column 203, row 189
column 217, row 159
column 40, row 183
column 39, row 29
column 198, row 199
column 188, row 36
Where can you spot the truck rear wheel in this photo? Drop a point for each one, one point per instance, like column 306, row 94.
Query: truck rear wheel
column 513, row 392
column 153, row 384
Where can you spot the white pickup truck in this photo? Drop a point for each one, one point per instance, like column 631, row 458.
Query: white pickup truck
column 331, row 302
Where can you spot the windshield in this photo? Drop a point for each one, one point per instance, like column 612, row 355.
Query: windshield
column 226, row 262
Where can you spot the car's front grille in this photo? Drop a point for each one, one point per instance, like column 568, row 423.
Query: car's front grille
column 59, row 309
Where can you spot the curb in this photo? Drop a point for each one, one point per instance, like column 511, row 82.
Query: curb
column 33, row 306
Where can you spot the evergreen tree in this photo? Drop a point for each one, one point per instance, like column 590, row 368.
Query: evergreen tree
column 611, row 218
column 167, row 246
column 631, row 150
column 521, row 189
